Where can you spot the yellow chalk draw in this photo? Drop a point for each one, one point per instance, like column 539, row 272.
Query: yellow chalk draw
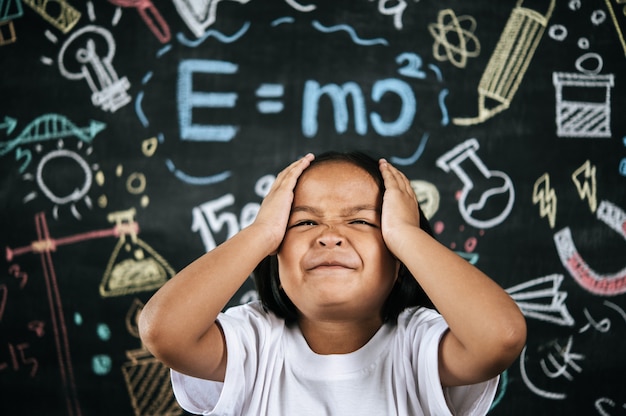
column 7, row 33
column 67, row 16
column 427, row 196
column 585, row 180
column 134, row 266
column 616, row 22
column 147, row 379
column 509, row 62
column 149, row 146
column 544, row 195
column 468, row 45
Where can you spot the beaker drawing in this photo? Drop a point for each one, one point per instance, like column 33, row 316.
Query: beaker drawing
column 134, row 266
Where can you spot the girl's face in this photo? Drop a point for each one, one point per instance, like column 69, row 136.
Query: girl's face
column 333, row 262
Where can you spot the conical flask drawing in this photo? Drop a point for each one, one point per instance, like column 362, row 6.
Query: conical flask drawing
column 134, row 266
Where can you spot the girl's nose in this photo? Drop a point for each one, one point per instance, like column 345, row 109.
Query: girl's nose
column 330, row 237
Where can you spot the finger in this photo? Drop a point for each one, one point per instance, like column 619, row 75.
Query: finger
column 397, row 178
column 292, row 172
column 386, row 170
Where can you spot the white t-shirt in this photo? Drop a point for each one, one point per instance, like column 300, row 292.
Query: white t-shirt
column 272, row 371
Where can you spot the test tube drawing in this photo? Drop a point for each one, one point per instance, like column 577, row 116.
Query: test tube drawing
column 509, row 61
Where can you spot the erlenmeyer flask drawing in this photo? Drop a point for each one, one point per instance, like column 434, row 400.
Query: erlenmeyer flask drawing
column 147, row 379
column 134, row 266
column 484, row 191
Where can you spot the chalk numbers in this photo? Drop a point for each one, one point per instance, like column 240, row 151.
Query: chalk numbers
column 15, row 355
column 412, row 67
column 211, row 217
column 19, row 360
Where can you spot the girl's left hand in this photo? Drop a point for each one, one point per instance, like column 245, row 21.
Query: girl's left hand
column 400, row 210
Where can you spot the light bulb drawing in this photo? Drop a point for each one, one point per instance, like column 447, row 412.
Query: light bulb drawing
column 88, row 54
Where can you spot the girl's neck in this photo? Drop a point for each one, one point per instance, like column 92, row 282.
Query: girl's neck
column 337, row 337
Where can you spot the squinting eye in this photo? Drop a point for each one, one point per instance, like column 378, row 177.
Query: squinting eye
column 361, row 222
column 305, row 222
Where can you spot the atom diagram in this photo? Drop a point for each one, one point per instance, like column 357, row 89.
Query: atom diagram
column 454, row 38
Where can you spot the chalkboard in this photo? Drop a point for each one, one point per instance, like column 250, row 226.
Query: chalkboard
column 135, row 135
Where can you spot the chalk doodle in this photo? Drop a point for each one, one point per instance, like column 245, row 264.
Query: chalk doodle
column 9, row 12
column 348, row 99
column 479, row 188
column 134, row 266
column 541, row 299
column 150, row 15
column 88, row 55
column 64, row 16
column 199, row 14
column 427, row 196
column 545, row 196
column 619, row 20
column 578, row 117
column 509, row 61
column 45, row 128
column 141, row 279
column 585, row 180
column 603, row 405
column 207, row 221
column 560, row 362
column 609, row 284
column 146, row 378
column 468, row 44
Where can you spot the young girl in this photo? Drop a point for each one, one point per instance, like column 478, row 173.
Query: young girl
column 344, row 262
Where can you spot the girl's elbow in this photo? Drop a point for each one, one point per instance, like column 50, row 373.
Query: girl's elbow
column 512, row 339
column 149, row 332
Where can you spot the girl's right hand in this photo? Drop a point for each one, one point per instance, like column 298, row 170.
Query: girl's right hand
column 274, row 212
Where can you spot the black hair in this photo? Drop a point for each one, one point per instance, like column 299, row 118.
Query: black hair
column 406, row 291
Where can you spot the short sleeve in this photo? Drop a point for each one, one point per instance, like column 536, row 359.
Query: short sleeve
column 195, row 395
column 246, row 328
column 426, row 329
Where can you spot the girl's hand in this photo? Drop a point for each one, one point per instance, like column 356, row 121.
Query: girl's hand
column 274, row 212
column 400, row 207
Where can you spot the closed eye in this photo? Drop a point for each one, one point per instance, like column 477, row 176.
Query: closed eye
column 363, row 222
column 304, row 223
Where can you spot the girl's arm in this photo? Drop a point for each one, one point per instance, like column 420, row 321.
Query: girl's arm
column 178, row 323
column 487, row 330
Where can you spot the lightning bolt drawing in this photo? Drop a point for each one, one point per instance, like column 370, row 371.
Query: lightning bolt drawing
column 545, row 196
column 585, row 180
column 541, row 299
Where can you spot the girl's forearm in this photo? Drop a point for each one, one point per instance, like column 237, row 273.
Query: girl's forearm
column 187, row 305
column 481, row 315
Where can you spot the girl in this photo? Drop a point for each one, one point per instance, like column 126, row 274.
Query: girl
column 344, row 262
